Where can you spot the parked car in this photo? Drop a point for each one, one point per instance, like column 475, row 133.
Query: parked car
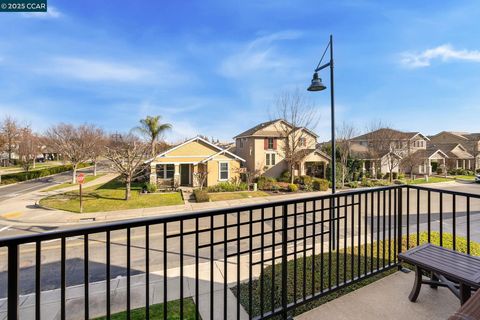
column 477, row 178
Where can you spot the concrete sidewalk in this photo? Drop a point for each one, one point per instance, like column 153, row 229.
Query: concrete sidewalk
column 50, row 300
column 387, row 298
column 22, row 211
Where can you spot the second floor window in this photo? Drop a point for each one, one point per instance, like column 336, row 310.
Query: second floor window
column 240, row 143
column 270, row 143
column 302, row 142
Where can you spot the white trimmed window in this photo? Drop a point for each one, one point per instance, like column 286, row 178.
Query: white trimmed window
column 165, row 171
column 270, row 159
column 223, row 171
column 240, row 143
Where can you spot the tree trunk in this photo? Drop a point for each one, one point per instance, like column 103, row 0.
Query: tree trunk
column 34, row 162
column 74, row 174
column 292, row 171
column 95, row 168
column 127, row 189
column 152, row 146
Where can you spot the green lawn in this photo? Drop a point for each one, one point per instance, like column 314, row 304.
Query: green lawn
column 156, row 311
column 470, row 178
column 38, row 166
column 430, row 180
column 221, row 196
column 110, row 196
column 88, row 178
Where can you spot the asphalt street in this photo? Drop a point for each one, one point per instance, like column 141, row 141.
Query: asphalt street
column 97, row 243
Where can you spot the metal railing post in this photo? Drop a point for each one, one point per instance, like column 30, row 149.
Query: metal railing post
column 333, row 216
column 13, row 272
column 284, row 260
column 399, row 222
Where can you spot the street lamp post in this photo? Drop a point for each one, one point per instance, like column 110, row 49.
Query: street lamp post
column 317, row 85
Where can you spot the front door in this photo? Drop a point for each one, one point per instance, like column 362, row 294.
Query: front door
column 185, row 174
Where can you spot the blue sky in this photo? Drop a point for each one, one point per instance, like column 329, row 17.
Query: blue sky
column 215, row 67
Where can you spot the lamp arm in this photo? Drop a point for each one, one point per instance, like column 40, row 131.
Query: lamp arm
column 318, row 68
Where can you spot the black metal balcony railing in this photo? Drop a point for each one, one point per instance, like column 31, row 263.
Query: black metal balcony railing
column 272, row 257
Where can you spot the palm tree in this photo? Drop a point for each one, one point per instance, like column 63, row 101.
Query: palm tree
column 152, row 129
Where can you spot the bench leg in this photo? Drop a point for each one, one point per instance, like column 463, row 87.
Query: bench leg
column 417, row 285
column 465, row 293
column 434, row 278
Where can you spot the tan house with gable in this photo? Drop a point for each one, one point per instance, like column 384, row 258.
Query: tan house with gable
column 180, row 165
column 263, row 147
column 468, row 157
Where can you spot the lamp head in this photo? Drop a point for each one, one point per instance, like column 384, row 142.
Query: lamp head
column 316, row 84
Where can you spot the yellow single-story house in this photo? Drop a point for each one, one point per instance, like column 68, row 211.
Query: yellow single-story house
column 193, row 162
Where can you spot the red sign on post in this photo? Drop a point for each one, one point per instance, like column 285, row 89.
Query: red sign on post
column 80, row 178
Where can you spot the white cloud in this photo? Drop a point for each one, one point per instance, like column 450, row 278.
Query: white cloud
column 444, row 53
column 258, row 54
column 52, row 13
column 96, row 70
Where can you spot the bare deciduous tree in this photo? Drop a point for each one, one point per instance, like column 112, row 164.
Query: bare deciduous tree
column 250, row 176
column 10, row 130
column 73, row 142
column 411, row 161
column 127, row 153
column 28, row 148
column 345, row 133
column 201, row 176
column 387, row 144
column 98, row 148
column 301, row 116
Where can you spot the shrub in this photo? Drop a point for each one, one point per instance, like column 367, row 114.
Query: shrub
column 367, row 182
column 201, row 195
column 285, row 176
column 35, row 174
column 401, row 176
column 306, row 180
column 320, row 184
column 151, row 187
column 379, row 175
column 282, row 186
column 460, row 242
column 292, row 187
column 380, row 183
column 352, row 184
column 228, row 187
column 265, row 183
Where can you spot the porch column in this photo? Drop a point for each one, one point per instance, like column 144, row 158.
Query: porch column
column 363, row 167
column 153, row 173
column 324, row 170
column 194, row 171
column 176, row 176
column 429, row 166
column 469, row 166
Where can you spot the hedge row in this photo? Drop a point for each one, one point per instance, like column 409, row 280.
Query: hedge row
column 10, row 178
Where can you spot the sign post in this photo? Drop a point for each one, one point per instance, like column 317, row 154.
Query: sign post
column 80, row 181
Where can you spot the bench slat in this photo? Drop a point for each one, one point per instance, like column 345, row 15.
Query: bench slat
column 456, row 265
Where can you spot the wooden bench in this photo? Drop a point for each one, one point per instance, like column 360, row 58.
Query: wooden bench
column 457, row 271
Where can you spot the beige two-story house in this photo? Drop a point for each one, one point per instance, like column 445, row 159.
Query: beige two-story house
column 467, row 155
column 264, row 147
column 386, row 150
